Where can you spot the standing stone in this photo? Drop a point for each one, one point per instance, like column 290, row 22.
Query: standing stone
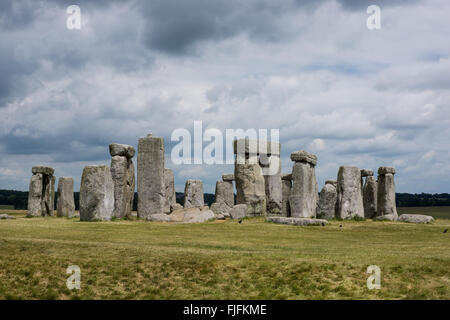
column 349, row 194
column 286, row 186
column 169, row 185
column 65, row 206
column 326, row 207
column 35, row 196
column 386, row 192
column 96, row 194
column 304, row 192
column 122, row 172
column 193, row 194
column 41, row 198
column 151, row 190
column 250, row 187
column 224, row 198
column 370, row 197
column 273, row 185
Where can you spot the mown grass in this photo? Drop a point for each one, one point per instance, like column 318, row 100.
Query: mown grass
column 222, row 260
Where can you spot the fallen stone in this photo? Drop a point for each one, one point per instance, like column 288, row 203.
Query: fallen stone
column 297, row 221
column 220, row 217
column 65, row 206
column 387, row 217
column 176, row 206
column 415, row 218
column 239, row 211
column 193, row 194
column 123, row 150
column 161, row 217
column 349, row 193
column 203, row 216
column 5, row 216
column 96, row 194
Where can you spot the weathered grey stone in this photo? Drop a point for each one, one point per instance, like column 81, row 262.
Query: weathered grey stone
column 48, row 200
column 366, row 173
column 122, row 172
column 370, row 197
column 43, row 170
column 304, row 156
column 249, row 146
column 386, row 170
column 304, row 192
column 203, row 216
column 287, row 177
column 387, row 217
column 286, row 186
column 273, row 186
column 96, row 194
column 228, row 177
column 386, row 192
column 193, row 194
column 176, row 206
column 224, row 198
column 349, row 193
column 123, row 150
column 220, row 216
column 415, row 218
column 297, row 221
column 161, row 217
column 65, row 205
column 35, row 196
column 185, row 215
column 326, row 206
column 151, row 189
column 250, row 187
column 5, row 216
column 169, row 185
column 239, row 211
column 332, row 182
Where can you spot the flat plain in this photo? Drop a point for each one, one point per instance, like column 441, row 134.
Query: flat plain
column 254, row 259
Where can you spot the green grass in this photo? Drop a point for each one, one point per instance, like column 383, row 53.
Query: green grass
column 436, row 212
column 222, row 260
column 6, row 207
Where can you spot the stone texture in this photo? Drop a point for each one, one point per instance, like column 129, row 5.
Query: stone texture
column 326, row 206
column 176, row 206
column 122, row 172
column 5, row 216
column 297, row 221
column 273, row 186
column 287, row 177
column 169, row 185
column 202, row 216
column 366, row 173
column 304, row 192
column 415, row 218
column 224, row 198
column 184, row 215
column 250, row 187
column 193, row 194
column 332, row 182
column 35, row 196
column 386, row 192
column 349, row 193
column 96, row 194
column 239, row 211
column 250, row 146
column 304, row 156
column 286, row 185
column 228, row 177
column 65, row 205
column 123, row 150
column 43, row 170
column 370, row 197
column 150, row 167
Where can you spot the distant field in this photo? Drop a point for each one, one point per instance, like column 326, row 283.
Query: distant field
column 222, row 260
column 6, row 207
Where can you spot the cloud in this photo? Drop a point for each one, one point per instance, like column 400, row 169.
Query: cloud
column 309, row 68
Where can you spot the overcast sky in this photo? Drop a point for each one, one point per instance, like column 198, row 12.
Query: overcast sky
column 312, row 69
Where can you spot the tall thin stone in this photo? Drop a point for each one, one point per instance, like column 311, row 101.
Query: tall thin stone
column 169, row 184
column 151, row 188
column 273, row 185
column 65, row 205
column 42, row 181
column 96, row 194
column 286, row 186
column 370, row 197
column 349, row 194
column 304, row 192
column 386, row 192
column 35, row 196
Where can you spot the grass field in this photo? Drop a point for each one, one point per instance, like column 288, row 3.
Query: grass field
column 224, row 260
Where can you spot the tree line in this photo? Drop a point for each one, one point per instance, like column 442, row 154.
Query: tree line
column 19, row 199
